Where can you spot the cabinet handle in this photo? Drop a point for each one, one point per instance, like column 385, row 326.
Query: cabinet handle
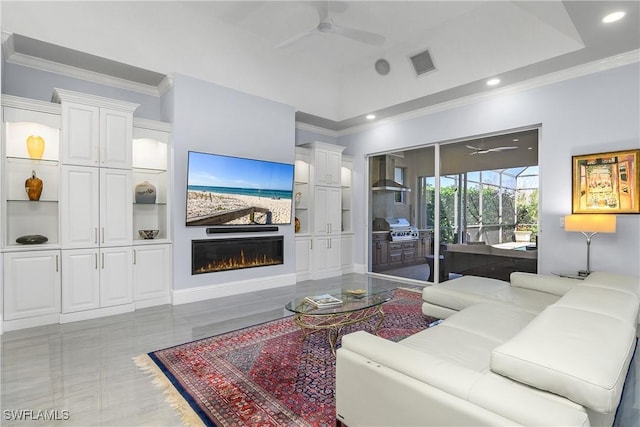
column 134, row 257
column 311, row 244
column 95, row 235
column 102, row 260
column 95, row 256
column 57, row 264
column 102, row 234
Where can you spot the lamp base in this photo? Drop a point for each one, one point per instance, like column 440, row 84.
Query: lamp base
column 583, row 273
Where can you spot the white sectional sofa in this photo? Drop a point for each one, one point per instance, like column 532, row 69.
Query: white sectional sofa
column 540, row 351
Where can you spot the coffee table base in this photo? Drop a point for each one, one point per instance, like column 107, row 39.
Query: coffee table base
column 334, row 322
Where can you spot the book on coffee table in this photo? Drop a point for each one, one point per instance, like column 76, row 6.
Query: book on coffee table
column 323, row 301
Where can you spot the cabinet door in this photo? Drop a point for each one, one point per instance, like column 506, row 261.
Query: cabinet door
column 334, row 168
column 80, row 134
column 79, row 206
column 347, row 252
column 116, row 134
column 116, row 216
column 31, row 284
column 116, row 276
column 303, row 257
column 151, row 272
column 80, row 280
column 334, row 210
column 334, row 254
column 327, row 212
column 326, row 255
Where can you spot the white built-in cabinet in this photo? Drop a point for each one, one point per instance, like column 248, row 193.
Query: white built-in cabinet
column 319, row 178
column 151, row 273
column 32, row 284
column 94, row 261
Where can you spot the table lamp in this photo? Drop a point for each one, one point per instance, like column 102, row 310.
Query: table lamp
column 590, row 225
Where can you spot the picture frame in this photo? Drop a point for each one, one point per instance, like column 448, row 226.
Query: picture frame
column 606, row 182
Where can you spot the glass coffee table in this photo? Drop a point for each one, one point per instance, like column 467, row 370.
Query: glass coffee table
column 355, row 308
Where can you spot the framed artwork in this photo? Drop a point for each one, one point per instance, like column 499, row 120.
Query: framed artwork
column 606, row 183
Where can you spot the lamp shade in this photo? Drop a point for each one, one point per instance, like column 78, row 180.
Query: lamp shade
column 587, row 223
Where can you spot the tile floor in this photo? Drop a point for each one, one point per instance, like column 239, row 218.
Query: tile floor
column 86, row 367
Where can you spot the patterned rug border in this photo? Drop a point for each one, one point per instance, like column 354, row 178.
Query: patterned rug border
column 176, row 396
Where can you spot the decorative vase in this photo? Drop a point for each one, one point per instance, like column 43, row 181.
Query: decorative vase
column 33, row 187
column 145, row 193
column 35, row 146
column 523, row 236
column 297, row 225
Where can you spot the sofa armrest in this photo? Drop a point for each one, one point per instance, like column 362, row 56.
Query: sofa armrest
column 554, row 285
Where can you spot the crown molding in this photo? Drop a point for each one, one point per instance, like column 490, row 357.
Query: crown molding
column 60, row 95
column 317, row 129
column 545, row 80
column 152, row 124
column 30, row 104
column 165, row 85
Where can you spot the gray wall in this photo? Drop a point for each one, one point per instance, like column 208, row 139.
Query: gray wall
column 36, row 84
column 214, row 119
column 589, row 114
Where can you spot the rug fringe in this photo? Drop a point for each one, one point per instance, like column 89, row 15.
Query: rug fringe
column 173, row 397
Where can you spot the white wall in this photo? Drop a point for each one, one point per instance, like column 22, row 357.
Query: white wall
column 214, row 119
column 589, row 114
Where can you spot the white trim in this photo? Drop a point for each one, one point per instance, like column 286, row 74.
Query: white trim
column 317, row 129
column 165, row 85
column 547, row 79
column 30, row 104
column 60, row 95
column 78, row 73
column 185, row 296
column 99, row 312
column 152, row 124
column 360, row 268
column 30, row 322
column 152, row 302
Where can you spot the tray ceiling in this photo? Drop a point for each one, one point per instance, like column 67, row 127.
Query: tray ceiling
column 330, row 79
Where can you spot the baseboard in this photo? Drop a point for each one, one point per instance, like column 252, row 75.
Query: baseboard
column 152, row 302
column 360, row 268
column 185, row 296
column 98, row 312
column 30, row 322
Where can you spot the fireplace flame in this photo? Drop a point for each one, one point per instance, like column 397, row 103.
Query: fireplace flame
column 237, row 262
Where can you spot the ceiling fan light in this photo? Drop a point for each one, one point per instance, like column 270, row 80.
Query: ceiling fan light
column 613, row 17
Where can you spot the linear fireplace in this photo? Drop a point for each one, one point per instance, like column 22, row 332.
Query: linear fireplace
column 210, row 255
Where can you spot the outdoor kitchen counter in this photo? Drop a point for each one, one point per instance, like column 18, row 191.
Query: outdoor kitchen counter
column 489, row 261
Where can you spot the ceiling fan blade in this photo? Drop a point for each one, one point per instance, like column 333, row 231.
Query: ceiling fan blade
column 497, row 149
column 293, row 39
column 360, row 35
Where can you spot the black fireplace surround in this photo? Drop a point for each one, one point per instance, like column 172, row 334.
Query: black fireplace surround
column 211, row 255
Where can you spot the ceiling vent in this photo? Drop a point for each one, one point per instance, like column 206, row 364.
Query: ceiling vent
column 422, row 63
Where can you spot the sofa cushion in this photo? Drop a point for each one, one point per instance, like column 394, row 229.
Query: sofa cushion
column 575, row 353
column 468, row 337
column 550, row 284
column 618, row 282
column 610, row 302
column 466, row 291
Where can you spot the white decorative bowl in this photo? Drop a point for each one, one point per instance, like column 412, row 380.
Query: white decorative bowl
column 148, row 234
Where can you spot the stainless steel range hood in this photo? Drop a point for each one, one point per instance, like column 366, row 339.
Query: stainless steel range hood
column 385, row 182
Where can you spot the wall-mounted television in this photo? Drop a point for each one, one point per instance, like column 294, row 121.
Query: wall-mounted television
column 224, row 190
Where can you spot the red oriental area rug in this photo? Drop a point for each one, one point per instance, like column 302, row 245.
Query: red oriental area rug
column 265, row 375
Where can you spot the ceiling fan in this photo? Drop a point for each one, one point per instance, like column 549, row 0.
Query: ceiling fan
column 479, row 150
column 326, row 25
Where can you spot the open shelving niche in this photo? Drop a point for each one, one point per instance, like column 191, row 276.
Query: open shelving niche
column 150, row 162
column 302, row 190
column 23, row 216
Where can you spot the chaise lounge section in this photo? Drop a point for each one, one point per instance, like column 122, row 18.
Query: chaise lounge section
column 504, row 355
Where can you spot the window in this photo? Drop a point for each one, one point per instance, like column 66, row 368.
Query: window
column 399, row 177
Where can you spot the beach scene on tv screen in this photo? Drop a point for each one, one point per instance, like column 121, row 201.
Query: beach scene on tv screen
column 224, row 190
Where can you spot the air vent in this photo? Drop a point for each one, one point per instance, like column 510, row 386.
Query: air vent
column 422, row 63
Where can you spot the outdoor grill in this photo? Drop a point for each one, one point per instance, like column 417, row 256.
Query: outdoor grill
column 398, row 228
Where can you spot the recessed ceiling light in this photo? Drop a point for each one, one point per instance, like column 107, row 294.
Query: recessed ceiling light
column 515, row 140
column 530, row 148
column 613, row 17
column 371, row 116
column 493, row 82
